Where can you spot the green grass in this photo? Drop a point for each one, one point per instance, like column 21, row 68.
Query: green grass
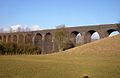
column 100, row 59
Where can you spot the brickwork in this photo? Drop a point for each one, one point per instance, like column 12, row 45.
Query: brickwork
column 44, row 38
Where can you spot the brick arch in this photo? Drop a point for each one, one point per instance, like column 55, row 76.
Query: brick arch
column 48, row 43
column 73, row 36
column 48, row 36
column 38, row 40
column 89, row 34
column 86, row 32
column 28, row 39
column 21, row 39
column 14, row 38
column 4, row 39
column 9, row 38
column 74, row 32
column 112, row 30
column 91, row 31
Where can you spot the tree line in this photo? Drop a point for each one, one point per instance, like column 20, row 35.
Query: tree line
column 17, row 49
column 61, row 40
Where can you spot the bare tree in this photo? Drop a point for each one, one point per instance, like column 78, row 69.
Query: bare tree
column 60, row 26
column 1, row 30
column 19, row 29
column 10, row 30
column 27, row 29
column 61, row 36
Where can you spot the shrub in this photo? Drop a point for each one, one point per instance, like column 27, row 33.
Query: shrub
column 13, row 48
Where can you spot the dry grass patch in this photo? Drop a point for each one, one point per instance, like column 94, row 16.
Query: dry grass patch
column 100, row 59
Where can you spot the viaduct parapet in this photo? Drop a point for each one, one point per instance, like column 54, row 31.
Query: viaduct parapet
column 44, row 38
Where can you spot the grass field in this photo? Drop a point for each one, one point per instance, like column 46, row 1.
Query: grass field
column 100, row 59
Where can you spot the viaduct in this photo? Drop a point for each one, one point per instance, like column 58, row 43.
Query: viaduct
column 44, row 38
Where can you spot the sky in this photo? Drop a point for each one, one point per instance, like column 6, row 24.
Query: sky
column 46, row 14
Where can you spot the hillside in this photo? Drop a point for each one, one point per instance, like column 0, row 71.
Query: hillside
column 107, row 46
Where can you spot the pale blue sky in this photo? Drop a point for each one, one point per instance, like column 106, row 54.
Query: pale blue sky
column 49, row 13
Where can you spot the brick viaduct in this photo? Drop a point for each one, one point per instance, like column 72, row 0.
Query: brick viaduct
column 44, row 38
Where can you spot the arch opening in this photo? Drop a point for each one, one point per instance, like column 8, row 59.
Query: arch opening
column 38, row 42
column 9, row 38
column 4, row 39
column 113, row 32
column 38, row 39
column 92, row 35
column 78, row 39
column 95, row 36
column 75, row 38
column 14, row 38
column 48, row 44
column 21, row 39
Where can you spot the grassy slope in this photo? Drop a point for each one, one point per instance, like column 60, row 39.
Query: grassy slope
column 100, row 59
column 105, row 47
